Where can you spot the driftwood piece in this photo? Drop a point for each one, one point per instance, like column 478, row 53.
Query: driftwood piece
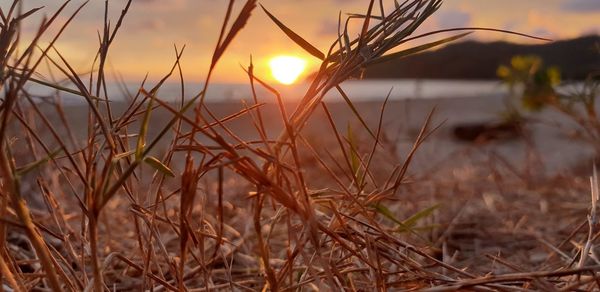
column 484, row 132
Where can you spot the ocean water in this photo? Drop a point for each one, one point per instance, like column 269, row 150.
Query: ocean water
column 357, row 90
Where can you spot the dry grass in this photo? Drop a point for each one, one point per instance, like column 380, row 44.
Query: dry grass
column 190, row 203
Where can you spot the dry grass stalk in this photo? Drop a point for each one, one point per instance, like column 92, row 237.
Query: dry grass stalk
column 239, row 213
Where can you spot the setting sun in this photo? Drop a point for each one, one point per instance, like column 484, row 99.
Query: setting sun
column 286, row 69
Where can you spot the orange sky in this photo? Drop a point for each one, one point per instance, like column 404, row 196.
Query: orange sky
column 145, row 44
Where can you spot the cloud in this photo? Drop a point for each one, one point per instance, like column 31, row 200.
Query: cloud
column 581, row 6
column 453, row 18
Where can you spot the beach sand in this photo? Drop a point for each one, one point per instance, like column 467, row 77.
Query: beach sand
column 548, row 143
column 497, row 197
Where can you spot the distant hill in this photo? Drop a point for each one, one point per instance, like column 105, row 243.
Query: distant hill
column 475, row 60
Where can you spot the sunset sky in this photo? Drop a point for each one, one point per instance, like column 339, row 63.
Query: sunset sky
column 152, row 27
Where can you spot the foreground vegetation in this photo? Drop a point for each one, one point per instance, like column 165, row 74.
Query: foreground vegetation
column 186, row 203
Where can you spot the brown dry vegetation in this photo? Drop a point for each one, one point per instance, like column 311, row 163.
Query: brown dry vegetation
column 129, row 201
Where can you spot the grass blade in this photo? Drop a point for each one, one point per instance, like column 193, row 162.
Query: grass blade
column 387, row 213
column 355, row 111
column 418, row 49
column 412, row 221
column 295, row 37
column 123, row 155
column 238, row 24
column 402, row 226
column 141, row 141
column 156, row 164
column 355, row 163
column 31, row 166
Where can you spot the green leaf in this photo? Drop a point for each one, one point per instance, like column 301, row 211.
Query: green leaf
column 412, row 221
column 295, row 37
column 383, row 210
column 156, row 164
column 123, row 155
column 141, row 141
column 355, row 111
column 418, row 49
column 355, row 162
column 31, row 166
column 408, row 224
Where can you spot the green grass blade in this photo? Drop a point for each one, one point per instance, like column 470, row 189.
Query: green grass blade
column 156, row 164
column 383, row 210
column 412, row 221
column 295, row 37
column 402, row 226
column 355, row 111
column 354, row 161
column 141, row 141
column 31, row 166
column 417, row 49
column 123, row 155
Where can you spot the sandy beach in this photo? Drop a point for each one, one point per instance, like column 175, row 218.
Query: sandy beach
column 551, row 148
column 129, row 165
column 495, row 197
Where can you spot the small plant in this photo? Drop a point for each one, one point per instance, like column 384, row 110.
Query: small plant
column 536, row 86
column 535, row 79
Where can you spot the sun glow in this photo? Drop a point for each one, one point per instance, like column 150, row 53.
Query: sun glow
column 287, row 69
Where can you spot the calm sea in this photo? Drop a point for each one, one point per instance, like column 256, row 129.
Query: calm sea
column 357, row 90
